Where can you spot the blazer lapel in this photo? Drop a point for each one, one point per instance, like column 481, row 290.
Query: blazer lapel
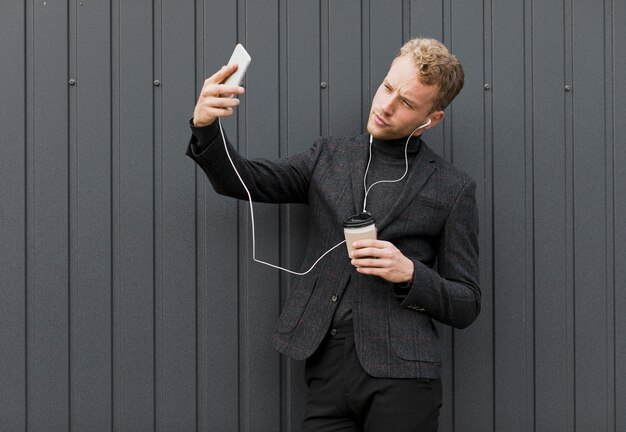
column 420, row 171
column 357, row 162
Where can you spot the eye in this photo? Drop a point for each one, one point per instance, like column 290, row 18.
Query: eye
column 407, row 103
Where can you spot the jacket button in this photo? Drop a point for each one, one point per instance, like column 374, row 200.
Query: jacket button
column 333, row 332
column 334, row 298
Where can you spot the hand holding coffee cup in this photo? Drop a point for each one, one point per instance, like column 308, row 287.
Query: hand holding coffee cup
column 375, row 257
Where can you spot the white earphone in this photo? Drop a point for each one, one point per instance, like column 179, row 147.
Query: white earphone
column 423, row 126
column 406, row 162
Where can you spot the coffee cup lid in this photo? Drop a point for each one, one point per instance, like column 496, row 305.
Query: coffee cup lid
column 358, row 220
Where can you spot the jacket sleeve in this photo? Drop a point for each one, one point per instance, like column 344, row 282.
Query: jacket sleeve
column 451, row 294
column 281, row 181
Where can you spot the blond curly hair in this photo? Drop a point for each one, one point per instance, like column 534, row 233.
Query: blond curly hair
column 435, row 66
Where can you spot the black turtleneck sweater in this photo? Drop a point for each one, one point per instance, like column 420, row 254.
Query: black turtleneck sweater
column 388, row 163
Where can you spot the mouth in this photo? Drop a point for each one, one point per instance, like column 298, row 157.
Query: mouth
column 379, row 121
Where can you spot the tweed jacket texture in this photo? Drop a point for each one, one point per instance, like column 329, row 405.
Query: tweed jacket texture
column 433, row 222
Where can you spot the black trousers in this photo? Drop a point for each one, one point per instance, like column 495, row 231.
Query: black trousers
column 342, row 397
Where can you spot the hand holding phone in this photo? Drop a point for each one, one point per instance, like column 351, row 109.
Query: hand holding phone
column 216, row 98
column 242, row 59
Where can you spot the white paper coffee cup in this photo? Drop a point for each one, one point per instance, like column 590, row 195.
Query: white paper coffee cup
column 358, row 227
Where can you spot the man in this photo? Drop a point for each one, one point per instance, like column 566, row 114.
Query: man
column 364, row 323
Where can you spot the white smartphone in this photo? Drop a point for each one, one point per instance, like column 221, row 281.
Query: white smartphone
column 242, row 59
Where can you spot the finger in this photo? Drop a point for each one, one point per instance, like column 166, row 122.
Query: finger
column 370, row 263
column 228, row 71
column 369, row 252
column 214, row 105
column 371, row 271
column 220, row 90
column 221, row 102
column 229, row 89
column 207, row 109
column 214, row 79
column 373, row 243
column 220, row 112
column 361, row 254
column 219, row 76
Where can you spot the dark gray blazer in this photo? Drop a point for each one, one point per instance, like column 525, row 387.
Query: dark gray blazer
column 434, row 222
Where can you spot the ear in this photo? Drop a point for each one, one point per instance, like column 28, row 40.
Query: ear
column 436, row 117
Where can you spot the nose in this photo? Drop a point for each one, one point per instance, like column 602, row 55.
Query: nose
column 387, row 104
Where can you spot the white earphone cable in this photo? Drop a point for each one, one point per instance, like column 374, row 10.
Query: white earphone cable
column 251, row 207
column 252, row 219
column 406, row 165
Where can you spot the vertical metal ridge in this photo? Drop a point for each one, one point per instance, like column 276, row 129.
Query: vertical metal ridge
column 570, row 228
column 406, row 20
column 284, row 385
column 489, row 188
column 201, row 378
column 73, row 214
column 448, row 145
column 29, row 134
column 609, row 80
column 324, row 65
column 25, row 210
column 618, row 32
column 116, row 394
column 447, row 25
column 243, row 235
column 157, row 206
column 27, row 31
column 366, row 61
column 530, row 213
column 199, row 315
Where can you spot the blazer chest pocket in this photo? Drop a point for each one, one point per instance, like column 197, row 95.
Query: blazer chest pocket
column 296, row 304
column 424, row 216
column 412, row 335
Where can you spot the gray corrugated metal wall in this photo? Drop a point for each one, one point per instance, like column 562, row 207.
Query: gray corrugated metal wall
column 129, row 301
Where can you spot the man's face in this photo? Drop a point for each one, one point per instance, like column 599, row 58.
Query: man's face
column 402, row 103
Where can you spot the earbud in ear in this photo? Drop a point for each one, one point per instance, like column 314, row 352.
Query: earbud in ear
column 425, row 124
